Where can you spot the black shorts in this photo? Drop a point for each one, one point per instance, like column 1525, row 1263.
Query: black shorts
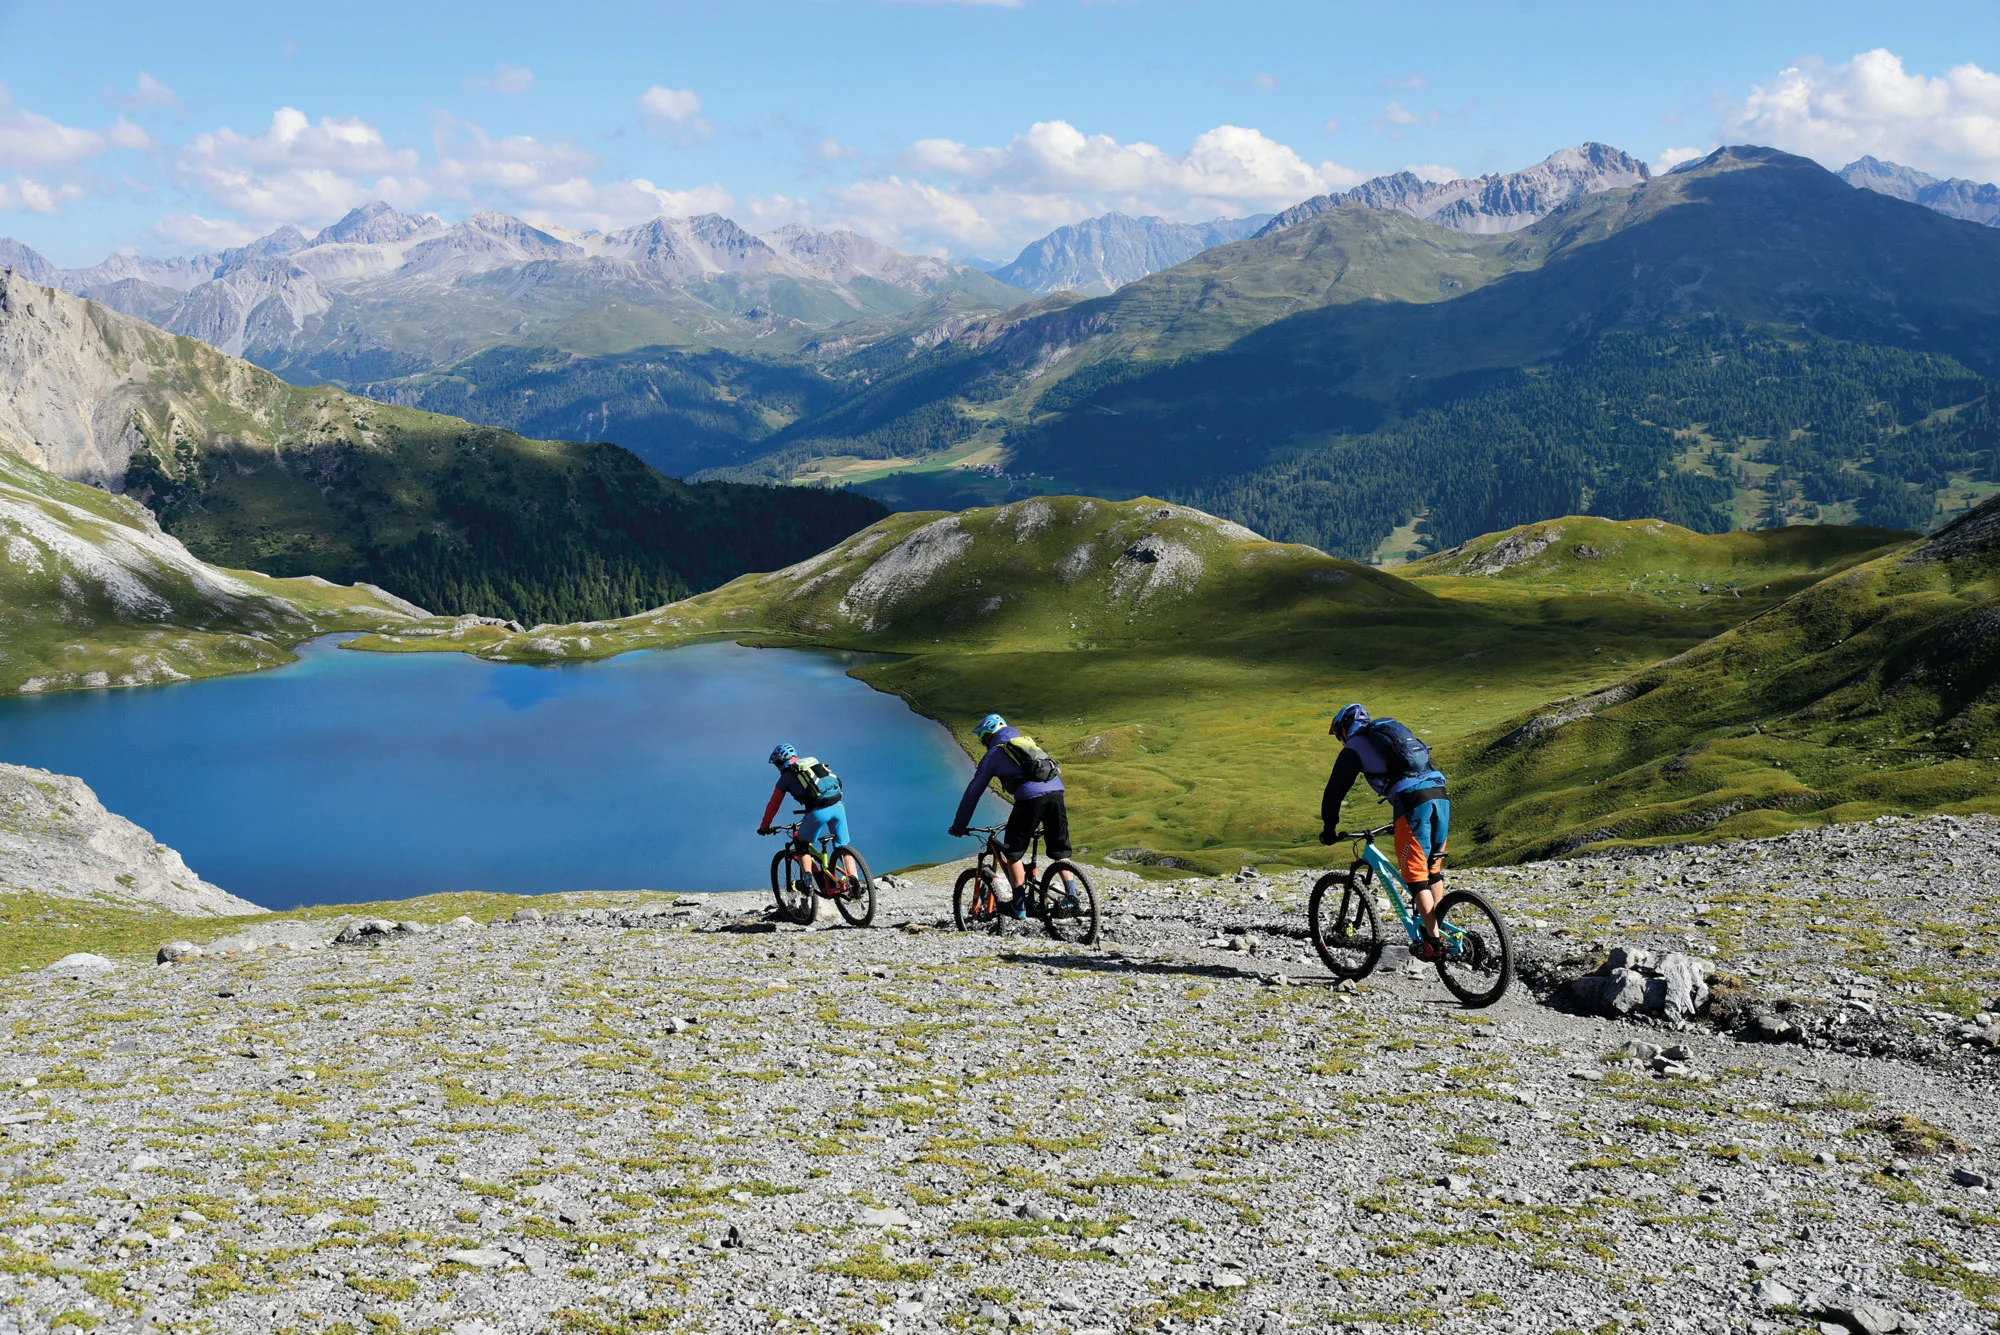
column 1046, row 812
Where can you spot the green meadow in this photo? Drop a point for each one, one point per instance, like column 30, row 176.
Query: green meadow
column 1184, row 670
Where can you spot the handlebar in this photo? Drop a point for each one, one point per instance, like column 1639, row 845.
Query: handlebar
column 1375, row 833
column 971, row 830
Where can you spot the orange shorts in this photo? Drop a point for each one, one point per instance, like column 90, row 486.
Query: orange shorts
column 1422, row 836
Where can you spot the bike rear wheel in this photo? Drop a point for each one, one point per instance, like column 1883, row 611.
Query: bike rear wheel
column 1069, row 905
column 974, row 901
column 1345, row 929
column 856, row 900
column 1480, row 962
column 791, row 886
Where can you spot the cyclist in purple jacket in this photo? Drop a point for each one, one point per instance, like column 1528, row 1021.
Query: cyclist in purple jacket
column 1038, row 803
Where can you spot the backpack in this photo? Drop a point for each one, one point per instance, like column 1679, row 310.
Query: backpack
column 822, row 785
column 1037, row 766
column 1404, row 750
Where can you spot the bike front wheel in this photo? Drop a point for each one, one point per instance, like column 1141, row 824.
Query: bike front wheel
column 1478, row 963
column 1345, row 929
column 975, row 905
column 856, row 900
column 1069, row 905
column 791, row 886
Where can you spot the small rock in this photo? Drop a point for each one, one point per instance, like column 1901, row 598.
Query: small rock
column 1772, row 1293
column 1228, row 1279
column 1587, row 1073
column 141, row 1162
column 1965, row 1177
column 526, row 916
column 1455, row 1184
column 482, row 1258
column 173, row 952
column 888, row 1218
column 80, row 965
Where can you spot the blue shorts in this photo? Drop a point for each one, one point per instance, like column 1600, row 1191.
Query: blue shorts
column 832, row 818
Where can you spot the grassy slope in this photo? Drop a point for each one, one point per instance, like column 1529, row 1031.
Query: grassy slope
column 1191, row 721
column 92, row 594
column 1871, row 692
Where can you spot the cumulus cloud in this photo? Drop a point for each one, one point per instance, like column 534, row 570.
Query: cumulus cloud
column 31, row 140
column 23, row 195
column 507, row 80
column 960, row 196
column 124, row 134
column 150, row 94
column 674, row 113
column 298, row 170
column 1948, row 124
column 1674, row 157
column 829, row 149
column 1433, row 172
column 1396, row 115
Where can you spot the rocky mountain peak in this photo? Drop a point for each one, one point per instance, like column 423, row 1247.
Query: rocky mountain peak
column 1496, row 202
column 1102, row 254
column 1974, row 201
column 376, row 222
column 25, row 261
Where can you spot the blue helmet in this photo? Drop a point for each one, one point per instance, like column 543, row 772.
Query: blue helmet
column 1347, row 720
column 989, row 725
column 784, row 754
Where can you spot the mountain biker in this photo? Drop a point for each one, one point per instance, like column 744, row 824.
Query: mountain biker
column 1398, row 767
column 1038, row 803
column 802, row 779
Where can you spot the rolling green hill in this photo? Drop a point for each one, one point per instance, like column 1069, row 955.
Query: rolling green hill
column 1876, row 690
column 1183, row 668
column 1745, row 341
column 252, row 472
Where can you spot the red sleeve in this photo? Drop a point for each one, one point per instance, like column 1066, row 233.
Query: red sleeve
column 771, row 807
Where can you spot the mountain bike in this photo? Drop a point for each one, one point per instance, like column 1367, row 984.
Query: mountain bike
column 1477, row 964
column 802, row 875
column 1061, row 898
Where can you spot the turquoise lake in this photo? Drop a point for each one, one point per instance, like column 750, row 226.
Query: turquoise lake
column 355, row 776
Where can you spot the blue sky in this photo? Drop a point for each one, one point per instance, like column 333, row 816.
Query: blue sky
column 960, row 128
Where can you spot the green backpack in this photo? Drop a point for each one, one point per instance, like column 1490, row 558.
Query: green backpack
column 822, row 785
column 1037, row 766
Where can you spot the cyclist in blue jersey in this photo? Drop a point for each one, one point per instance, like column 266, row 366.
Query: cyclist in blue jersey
column 817, row 789
column 1398, row 767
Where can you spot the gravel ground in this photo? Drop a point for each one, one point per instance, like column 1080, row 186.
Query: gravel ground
column 706, row 1122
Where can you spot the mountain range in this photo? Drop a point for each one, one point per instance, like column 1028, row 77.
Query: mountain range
column 1744, row 341
column 1493, row 203
column 1973, row 201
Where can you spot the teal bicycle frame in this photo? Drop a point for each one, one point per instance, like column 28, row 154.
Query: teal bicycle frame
column 1393, row 883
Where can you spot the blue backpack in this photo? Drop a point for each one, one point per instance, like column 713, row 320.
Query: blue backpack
column 1404, row 750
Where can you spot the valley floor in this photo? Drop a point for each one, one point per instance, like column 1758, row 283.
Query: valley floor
column 700, row 1121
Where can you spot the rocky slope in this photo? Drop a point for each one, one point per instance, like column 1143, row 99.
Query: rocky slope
column 93, row 594
column 57, row 840
column 250, row 471
column 1974, row 201
column 1101, row 255
column 652, row 1113
column 1496, row 202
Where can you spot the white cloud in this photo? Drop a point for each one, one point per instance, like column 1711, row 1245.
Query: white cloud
column 1266, row 82
column 191, row 231
column 151, row 93
column 829, row 149
column 1948, row 124
column 295, row 170
column 22, row 195
column 29, row 139
column 964, row 197
column 675, row 112
column 507, row 80
column 1229, row 165
column 124, row 134
column 1674, row 157
column 1395, row 113
column 1332, row 126
column 1433, row 172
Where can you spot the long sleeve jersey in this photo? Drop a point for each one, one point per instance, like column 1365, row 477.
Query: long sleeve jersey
column 998, row 764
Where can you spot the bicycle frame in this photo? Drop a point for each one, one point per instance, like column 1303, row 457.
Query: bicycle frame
column 1393, row 883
